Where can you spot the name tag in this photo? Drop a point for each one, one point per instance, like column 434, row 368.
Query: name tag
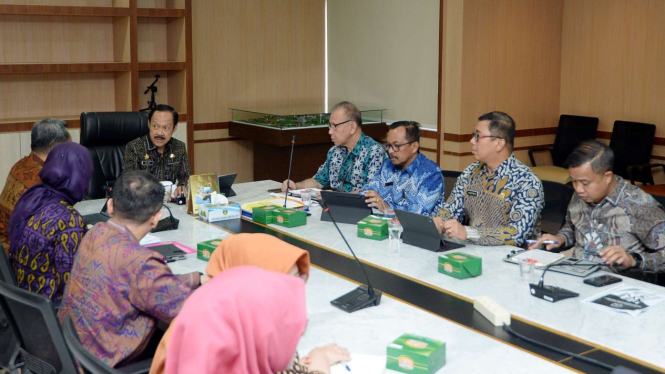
column 472, row 193
column 147, row 163
column 388, row 184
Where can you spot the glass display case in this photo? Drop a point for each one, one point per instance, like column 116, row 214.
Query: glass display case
column 295, row 117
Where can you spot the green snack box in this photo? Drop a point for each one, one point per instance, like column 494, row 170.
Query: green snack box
column 264, row 214
column 460, row 265
column 204, row 249
column 416, row 354
column 289, row 218
column 373, row 227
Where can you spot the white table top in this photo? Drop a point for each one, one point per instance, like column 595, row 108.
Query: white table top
column 369, row 331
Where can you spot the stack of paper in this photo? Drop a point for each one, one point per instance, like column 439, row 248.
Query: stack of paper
column 150, row 239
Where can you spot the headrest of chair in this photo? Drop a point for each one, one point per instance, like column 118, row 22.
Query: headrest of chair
column 112, row 128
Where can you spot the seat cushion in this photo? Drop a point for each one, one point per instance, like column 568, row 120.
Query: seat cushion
column 552, row 173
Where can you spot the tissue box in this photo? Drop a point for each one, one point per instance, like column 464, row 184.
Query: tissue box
column 460, row 265
column 373, row 227
column 204, row 249
column 289, row 218
column 264, row 214
column 215, row 213
column 416, row 354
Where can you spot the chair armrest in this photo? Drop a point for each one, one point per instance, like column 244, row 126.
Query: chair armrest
column 531, row 151
column 642, row 173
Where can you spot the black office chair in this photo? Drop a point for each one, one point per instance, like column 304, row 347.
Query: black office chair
column 42, row 349
column 88, row 361
column 106, row 136
column 557, row 197
column 572, row 131
column 8, row 342
column 632, row 143
column 449, row 180
column 660, row 199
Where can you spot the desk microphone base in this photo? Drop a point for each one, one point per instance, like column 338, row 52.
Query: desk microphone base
column 551, row 293
column 357, row 299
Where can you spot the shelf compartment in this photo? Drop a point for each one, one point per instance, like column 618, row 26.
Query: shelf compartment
column 48, row 10
column 161, row 39
column 90, row 67
column 161, row 65
column 170, row 89
column 160, row 13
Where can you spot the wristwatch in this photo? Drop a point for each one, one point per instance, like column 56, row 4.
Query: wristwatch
column 638, row 260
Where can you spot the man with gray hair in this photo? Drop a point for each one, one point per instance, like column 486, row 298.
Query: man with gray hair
column 608, row 219
column 45, row 135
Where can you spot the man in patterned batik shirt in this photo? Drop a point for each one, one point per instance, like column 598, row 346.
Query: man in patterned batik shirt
column 118, row 289
column 353, row 161
column 408, row 180
column 499, row 196
column 609, row 220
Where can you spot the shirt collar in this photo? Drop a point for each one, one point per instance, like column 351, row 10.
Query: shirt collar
column 617, row 193
column 503, row 168
column 123, row 228
column 36, row 159
column 414, row 165
column 151, row 146
column 359, row 145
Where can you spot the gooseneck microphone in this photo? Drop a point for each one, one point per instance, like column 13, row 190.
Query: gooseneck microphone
column 553, row 293
column 288, row 179
column 362, row 297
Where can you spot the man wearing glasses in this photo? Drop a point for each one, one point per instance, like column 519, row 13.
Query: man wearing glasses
column 499, row 196
column 408, row 180
column 354, row 159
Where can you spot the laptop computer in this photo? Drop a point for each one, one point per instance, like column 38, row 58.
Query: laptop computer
column 169, row 251
column 420, row 231
column 102, row 216
column 225, row 183
column 346, row 207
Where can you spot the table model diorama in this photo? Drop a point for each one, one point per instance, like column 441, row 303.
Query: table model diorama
column 273, row 129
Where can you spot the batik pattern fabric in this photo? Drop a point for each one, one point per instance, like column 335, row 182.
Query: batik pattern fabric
column 418, row 188
column 172, row 165
column 23, row 175
column 117, row 292
column 42, row 259
column 628, row 217
column 351, row 171
column 502, row 208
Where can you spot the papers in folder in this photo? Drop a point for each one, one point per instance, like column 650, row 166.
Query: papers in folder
column 543, row 258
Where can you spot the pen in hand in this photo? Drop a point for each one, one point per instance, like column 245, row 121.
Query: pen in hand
column 544, row 242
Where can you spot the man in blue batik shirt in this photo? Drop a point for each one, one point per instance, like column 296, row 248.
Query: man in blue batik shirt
column 352, row 162
column 408, row 180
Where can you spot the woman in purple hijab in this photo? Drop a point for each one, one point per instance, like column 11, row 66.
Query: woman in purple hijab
column 45, row 230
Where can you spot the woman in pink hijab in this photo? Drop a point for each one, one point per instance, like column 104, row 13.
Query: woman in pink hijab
column 246, row 320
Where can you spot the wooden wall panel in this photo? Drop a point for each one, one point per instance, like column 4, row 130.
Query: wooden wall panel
column 104, row 3
column 226, row 157
column 254, row 52
column 170, row 4
column 152, row 37
column 43, row 95
column 251, row 53
column 60, row 39
column 613, row 61
column 511, row 61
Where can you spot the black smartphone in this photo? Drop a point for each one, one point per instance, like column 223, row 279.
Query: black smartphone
column 602, row 280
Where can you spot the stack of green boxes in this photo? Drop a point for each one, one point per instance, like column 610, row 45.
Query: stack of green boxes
column 373, row 227
column 280, row 216
column 416, row 354
column 460, row 265
column 204, row 249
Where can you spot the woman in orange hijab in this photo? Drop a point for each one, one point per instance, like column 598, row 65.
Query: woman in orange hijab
column 269, row 253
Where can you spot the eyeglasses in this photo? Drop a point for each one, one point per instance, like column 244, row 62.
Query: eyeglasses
column 396, row 147
column 477, row 136
column 334, row 125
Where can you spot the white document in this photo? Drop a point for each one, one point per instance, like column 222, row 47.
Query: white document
column 365, row 364
column 627, row 299
column 150, row 239
column 543, row 258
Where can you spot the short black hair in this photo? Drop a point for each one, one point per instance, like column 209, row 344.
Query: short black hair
column 164, row 108
column 412, row 130
column 137, row 196
column 48, row 133
column 501, row 125
column 599, row 154
column 351, row 111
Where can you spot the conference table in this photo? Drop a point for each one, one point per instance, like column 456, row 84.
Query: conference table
column 419, row 300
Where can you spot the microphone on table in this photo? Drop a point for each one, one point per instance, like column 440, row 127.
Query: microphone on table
column 553, row 293
column 361, row 297
column 288, row 179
